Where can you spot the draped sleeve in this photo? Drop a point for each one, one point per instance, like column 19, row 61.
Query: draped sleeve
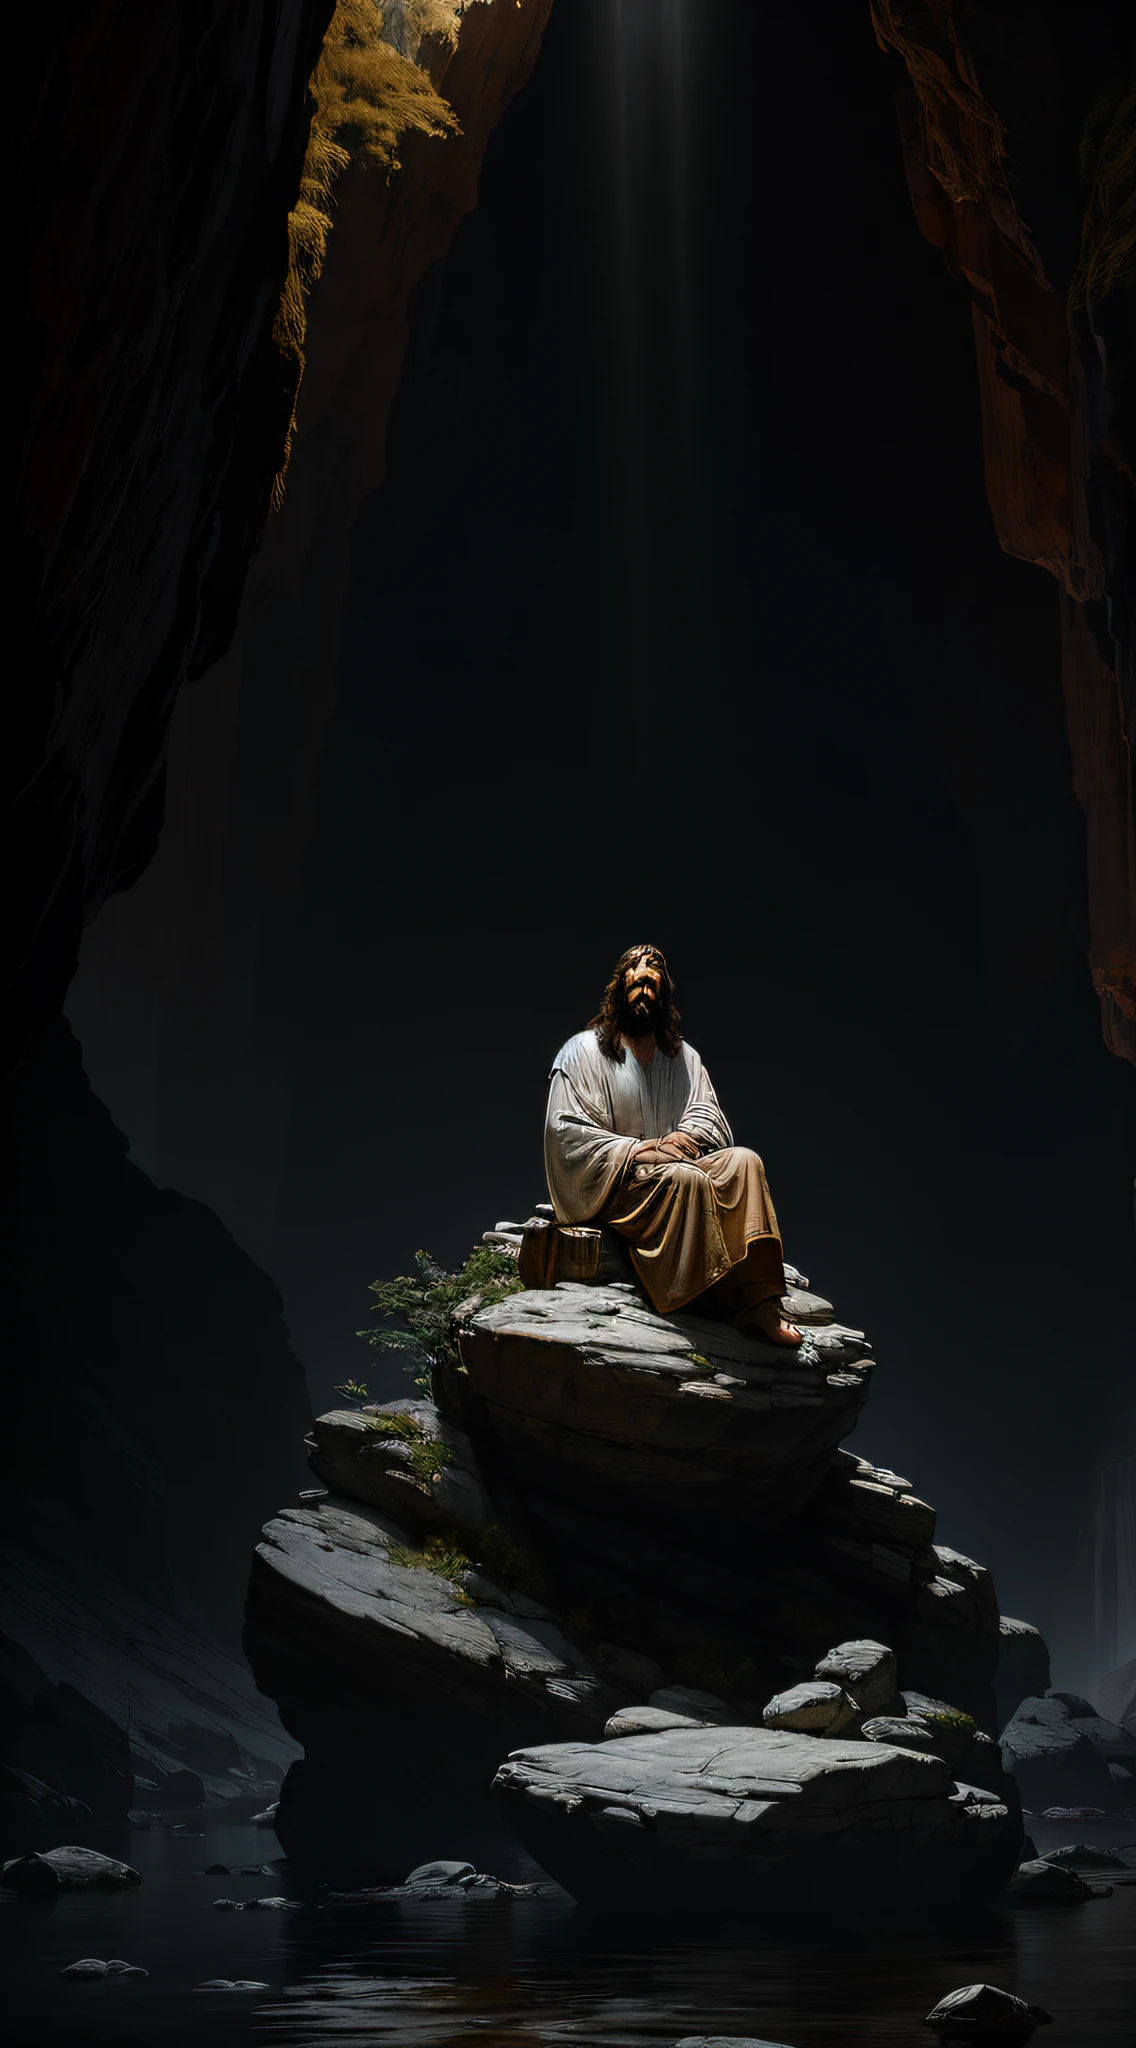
column 703, row 1116
column 584, row 1155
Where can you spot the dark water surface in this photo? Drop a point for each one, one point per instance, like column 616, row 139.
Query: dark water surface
column 528, row 1972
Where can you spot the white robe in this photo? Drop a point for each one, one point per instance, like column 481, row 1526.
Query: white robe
column 600, row 1109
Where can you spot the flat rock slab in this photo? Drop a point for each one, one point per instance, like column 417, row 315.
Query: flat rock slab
column 586, row 1383
column 705, row 1818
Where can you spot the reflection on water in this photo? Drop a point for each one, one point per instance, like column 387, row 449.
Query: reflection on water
column 513, row 1974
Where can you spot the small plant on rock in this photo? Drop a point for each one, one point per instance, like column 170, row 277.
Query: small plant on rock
column 427, row 1453
column 418, row 1308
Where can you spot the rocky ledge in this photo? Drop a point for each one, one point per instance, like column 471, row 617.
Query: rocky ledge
column 705, row 1819
column 583, row 1390
column 608, row 1523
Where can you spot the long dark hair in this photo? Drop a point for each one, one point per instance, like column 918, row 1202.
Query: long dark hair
column 607, row 1023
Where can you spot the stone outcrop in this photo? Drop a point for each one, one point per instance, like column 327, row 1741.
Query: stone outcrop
column 1062, row 1757
column 349, row 1628
column 154, row 195
column 610, row 1528
column 708, row 1819
column 590, row 1396
column 255, row 841
column 131, row 1323
column 1050, row 273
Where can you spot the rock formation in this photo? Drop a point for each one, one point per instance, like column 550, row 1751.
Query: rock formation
column 1062, row 1753
column 154, row 194
column 250, row 842
column 729, row 1818
column 1049, row 266
column 132, row 1324
column 608, row 1534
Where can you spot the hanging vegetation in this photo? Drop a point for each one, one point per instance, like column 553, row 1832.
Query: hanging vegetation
column 370, row 90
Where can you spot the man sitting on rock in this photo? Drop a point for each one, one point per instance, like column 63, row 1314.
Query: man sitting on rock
column 634, row 1139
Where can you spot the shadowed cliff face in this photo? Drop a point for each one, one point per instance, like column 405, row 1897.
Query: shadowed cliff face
column 223, row 893
column 159, row 1412
column 158, row 167
column 997, row 111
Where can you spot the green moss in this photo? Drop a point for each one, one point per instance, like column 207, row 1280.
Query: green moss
column 428, row 1454
column 948, row 1717
column 452, row 1551
column 439, row 1554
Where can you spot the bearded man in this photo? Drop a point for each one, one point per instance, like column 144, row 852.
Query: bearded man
column 635, row 1139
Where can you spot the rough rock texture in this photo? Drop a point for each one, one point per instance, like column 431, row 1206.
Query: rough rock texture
column 342, row 1635
column 1055, row 1759
column 586, row 1392
column 69, row 1869
column 158, row 160
column 816, row 1708
column 981, row 2012
column 987, row 90
column 1023, row 1666
column 702, row 1819
column 584, row 1459
column 866, row 1670
column 1042, row 1883
column 133, row 1324
column 247, row 846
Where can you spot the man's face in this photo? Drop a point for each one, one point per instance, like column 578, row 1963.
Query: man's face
column 642, row 995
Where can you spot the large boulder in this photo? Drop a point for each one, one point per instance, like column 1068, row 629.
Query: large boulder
column 1054, row 1760
column 592, row 1396
column 359, row 1632
column 705, row 1819
column 1023, row 1666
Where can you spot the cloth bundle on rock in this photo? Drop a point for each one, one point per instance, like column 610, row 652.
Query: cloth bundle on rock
column 700, row 1227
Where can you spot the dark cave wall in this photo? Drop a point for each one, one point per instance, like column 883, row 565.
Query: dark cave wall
column 1018, row 137
column 153, row 1391
column 196, row 949
column 159, row 160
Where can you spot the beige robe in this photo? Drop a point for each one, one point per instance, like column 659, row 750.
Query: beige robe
column 692, row 1225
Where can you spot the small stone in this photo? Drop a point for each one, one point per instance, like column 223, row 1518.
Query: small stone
column 440, row 1873
column 981, row 2012
column 1083, row 1856
column 648, row 1721
column 1072, row 1813
column 232, row 1984
column 117, row 1968
column 86, row 1967
column 271, row 1904
column 217, row 1870
column 228, row 1905
column 84, row 1870
column 266, row 1819
column 866, row 1670
column 1052, row 1884
column 906, row 1732
column 816, row 1708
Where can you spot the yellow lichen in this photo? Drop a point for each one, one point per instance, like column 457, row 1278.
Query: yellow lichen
column 369, row 91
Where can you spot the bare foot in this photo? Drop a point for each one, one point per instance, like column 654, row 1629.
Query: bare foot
column 766, row 1320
